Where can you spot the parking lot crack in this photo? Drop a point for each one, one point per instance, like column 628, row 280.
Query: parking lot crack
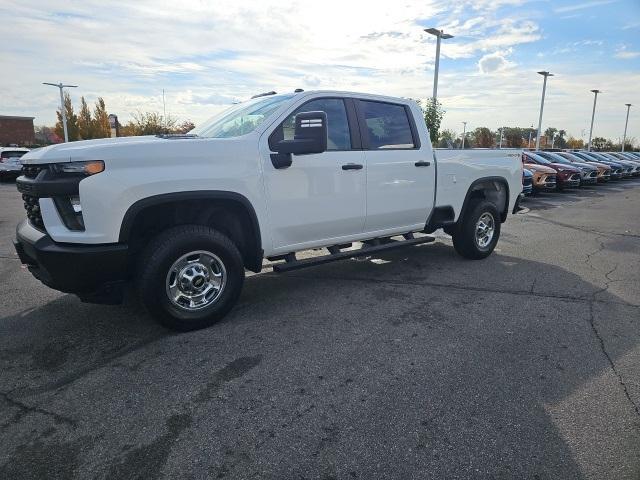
column 612, row 365
column 26, row 409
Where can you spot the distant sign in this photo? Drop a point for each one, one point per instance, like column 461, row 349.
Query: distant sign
column 113, row 120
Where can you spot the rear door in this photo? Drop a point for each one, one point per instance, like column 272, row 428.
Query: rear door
column 320, row 197
column 400, row 174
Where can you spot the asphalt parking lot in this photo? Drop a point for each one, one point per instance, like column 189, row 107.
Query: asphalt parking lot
column 412, row 364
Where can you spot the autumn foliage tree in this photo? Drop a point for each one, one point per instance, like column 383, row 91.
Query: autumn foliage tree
column 72, row 120
column 101, row 128
column 85, row 122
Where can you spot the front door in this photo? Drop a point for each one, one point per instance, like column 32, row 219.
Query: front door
column 322, row 196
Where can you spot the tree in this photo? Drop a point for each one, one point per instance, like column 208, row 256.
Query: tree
column 101, row 128
column 44, row 135
column 447, row 139
column 560, row 141
column 550, row 133
column 72, row 120
column 85, row 122
column 148, row 123
column 601, row 144
column 573, row 142
column 513, row 137
column 433, row 114
column 482, row 137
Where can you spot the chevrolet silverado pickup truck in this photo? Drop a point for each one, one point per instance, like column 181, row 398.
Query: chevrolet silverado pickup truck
column 182, row 217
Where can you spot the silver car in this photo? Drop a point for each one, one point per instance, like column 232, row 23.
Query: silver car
column 10, row 166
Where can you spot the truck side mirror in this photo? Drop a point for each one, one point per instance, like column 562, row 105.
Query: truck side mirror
column 310, row 135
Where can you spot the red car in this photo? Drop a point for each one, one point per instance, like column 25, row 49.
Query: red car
column 567, row 176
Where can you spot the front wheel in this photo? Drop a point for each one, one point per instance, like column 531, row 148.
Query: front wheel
column 477, row 233
column 189, row 277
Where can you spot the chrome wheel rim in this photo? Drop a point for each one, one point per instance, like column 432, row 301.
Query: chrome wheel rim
column 485, row 228
column 196, row 280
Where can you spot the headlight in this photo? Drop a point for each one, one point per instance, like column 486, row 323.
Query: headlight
column 83, row 168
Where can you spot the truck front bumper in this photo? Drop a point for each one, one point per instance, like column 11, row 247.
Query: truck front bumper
column 95, row 273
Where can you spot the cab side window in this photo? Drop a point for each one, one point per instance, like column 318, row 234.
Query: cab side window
column 339, row 136
column 386, row 125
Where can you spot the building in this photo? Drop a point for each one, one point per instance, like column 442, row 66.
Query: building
column 16, row 130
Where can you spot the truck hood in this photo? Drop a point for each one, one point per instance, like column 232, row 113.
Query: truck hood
column 72, row 151
column 534, row 167
column 564, row 166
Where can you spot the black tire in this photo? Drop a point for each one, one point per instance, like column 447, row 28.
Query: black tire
column 464, row 237
column 169, row 247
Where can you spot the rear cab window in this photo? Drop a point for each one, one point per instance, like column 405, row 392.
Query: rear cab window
column 386, row 126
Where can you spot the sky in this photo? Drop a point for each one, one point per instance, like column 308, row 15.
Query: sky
column 207, row 55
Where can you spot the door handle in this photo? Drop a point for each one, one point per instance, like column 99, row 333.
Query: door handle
column 422, row 164
column 352, row 166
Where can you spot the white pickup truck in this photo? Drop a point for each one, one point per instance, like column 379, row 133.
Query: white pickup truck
column 183, row 216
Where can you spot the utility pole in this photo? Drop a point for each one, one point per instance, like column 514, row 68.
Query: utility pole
column 545, row 74
column 439, row 34
column 63, row 113
column 501, row 129
column 464, row 133
column 164, row 111
column 593, row 114
column 626, row 122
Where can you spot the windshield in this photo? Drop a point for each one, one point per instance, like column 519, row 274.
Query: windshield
column 554, row 157
column 240, row 119
column 538, row 159
column 12, row 154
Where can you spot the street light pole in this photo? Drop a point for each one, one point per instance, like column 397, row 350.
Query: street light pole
column 530, row 132
column 501, row 131
column 626, row 122
column 593, row 114
column 439, row 34
column 63, row 113
column 544, row 89
column 464, row 133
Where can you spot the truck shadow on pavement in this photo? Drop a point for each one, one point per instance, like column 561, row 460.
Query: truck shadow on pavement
column 411, row 364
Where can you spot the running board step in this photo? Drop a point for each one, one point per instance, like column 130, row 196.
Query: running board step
column 366, row 249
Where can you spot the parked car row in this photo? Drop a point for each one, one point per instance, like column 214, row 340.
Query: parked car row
column 557, row 170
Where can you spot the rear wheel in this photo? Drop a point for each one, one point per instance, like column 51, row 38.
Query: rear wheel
column 476, row 235
column 189, row 277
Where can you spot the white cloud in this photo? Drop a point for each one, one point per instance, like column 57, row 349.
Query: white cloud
column 625, row 55
column 582, row 6
column 492, row 63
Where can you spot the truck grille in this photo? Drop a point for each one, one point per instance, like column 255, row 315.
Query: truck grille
column 32, row 206
column 32, row 171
